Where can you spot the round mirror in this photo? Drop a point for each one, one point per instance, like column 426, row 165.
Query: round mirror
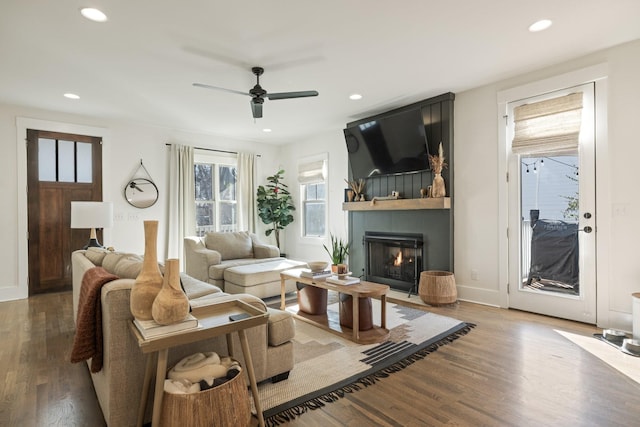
column 141, row 193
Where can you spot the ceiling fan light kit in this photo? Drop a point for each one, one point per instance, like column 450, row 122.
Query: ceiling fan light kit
column 258, row 94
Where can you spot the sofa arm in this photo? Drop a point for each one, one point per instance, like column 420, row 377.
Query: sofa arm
column 265, row 251
column 197, row 258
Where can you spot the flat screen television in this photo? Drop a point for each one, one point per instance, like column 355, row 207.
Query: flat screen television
column 387, row 144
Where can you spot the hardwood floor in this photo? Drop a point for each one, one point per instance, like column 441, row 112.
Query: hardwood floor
column 513, row 369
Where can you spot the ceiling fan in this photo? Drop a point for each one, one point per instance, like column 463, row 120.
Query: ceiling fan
column 258, row 94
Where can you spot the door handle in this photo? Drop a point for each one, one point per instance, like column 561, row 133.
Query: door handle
column 586, row 229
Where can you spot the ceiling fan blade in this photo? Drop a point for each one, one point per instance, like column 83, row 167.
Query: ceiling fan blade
column 220, row 88
column 288, row 95
column 256, row 109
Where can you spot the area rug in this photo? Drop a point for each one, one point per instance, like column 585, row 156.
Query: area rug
column 327, row 366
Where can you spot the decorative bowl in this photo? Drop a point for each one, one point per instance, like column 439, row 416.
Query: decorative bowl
column 318, row 265
column 613, row 335
column 632, row 346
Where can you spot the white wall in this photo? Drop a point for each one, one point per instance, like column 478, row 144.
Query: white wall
column 124, row 145
column 331, row 142
column 476, row 180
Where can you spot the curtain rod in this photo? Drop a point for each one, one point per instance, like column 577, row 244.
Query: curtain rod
column 216, row 150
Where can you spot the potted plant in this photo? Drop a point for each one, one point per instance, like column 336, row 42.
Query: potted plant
column 338, row 252
column 275, row 205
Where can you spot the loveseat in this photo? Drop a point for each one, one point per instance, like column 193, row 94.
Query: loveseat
column 118, row 384
column 237, row 262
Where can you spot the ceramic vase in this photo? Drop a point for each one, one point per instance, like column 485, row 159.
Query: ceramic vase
column 149, row 281
column 438, row 189
column 171, row 305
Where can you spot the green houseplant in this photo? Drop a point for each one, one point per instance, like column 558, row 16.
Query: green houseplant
column 339, row 250
column 275, row 205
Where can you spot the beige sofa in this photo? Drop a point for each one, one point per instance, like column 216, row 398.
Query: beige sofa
column 118, row 385
column 237, row 262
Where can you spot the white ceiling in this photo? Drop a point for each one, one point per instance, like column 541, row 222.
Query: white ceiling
column 140, row 65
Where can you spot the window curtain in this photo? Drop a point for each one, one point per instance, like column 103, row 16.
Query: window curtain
column 312, row 172
column 247, row 192
column 182, row 203
column 548, row 127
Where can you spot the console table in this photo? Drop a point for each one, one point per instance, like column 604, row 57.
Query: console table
column 213, row 320
column 357, row 291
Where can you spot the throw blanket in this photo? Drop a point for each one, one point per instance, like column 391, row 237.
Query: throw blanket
column 87, row 342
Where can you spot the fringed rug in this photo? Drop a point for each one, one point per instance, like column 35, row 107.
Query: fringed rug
column 328, row 366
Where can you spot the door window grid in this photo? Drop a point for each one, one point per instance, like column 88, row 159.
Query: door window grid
column 64, row 161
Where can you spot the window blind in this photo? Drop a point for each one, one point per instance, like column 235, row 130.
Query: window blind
column 548, row 127
column 311, row 172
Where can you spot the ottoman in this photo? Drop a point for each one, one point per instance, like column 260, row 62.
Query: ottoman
column 259, row 279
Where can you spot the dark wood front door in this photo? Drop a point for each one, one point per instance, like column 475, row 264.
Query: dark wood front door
column 60, row 168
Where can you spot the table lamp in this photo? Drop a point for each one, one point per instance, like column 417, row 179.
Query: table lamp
column 92, row 215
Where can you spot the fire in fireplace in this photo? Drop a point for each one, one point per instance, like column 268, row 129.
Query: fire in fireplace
column 395, row 259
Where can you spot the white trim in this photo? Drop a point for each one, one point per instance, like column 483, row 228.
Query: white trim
column 305, row 240
column 20, row 290
column 597, row 73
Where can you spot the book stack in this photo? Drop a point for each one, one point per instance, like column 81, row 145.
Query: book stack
column 151, row 328
column 343, row 281
column 315, row 274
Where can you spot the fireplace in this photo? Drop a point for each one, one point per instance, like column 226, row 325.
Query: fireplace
column 395, row 259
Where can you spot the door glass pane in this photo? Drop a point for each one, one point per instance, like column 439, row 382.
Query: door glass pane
column 66, row 161
column 549, row 212
column 85, row 173
column 227, row 182
column 46, row 159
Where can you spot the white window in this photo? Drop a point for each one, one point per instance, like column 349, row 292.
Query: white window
column 313, row 197
column 215, row 179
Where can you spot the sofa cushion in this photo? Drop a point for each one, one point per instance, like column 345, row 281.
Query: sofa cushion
column 195, row 288
column 111, row 260
column 281, row 327
column 96, row 255
column 128, row 267
column 230, row 245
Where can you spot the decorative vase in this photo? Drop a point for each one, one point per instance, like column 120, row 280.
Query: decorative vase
column 149, row 281
column 171, row 305
column 438, row 189
column 350, row 195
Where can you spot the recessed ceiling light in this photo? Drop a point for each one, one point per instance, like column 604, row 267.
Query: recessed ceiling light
column 267, row 130
column 355, row 96
column 71, row 96
column 540, row 25
column 93, row 14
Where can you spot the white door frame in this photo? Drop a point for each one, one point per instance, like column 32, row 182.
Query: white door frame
column 597, row 74
column 20, row 290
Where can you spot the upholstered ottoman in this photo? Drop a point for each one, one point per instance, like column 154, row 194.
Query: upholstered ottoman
column 260, row 279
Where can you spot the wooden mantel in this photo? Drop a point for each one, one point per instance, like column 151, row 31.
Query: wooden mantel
column 399, row 204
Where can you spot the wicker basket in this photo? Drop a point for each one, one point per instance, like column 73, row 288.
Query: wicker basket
column 437, row 287
column 225, row 405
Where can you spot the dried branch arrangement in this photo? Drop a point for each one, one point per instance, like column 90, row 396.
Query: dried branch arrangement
column 437, row 162
column 357, row 186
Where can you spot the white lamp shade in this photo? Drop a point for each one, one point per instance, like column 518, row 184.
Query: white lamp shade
column 91, row 214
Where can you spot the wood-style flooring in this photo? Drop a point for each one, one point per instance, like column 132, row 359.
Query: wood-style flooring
column 513, row 369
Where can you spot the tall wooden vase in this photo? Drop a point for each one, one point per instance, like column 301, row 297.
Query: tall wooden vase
column 149, row 281
column 171, row 305
column 438, row 188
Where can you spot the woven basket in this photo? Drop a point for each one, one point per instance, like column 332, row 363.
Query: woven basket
column 225, row 405
column 437, row 287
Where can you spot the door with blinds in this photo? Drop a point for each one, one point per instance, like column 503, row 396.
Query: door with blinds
column 552, row 232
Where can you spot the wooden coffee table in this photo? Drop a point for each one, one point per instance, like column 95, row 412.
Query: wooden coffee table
column 359, row 290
